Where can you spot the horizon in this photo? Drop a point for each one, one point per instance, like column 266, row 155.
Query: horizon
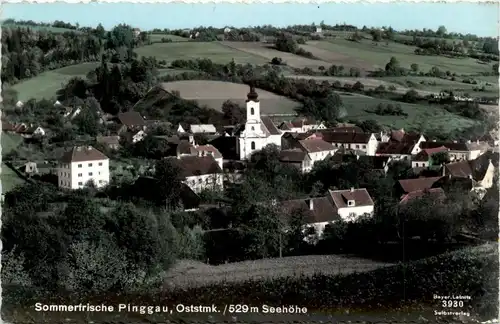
column 463, row 18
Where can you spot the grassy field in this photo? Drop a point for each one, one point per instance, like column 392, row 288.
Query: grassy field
column 420, row 117
column 214, row 93
column 368, row 55
column 158, row 37
column 46, row 84
column 193, row 50
column 437, row 85
column 261, row 50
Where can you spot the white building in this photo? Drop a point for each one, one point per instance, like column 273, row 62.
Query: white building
column 258, row 131
column 202, row 129
column 361, row 142
column 317, row 149
column 81, row 165
column 200, row 172
column 301, row 125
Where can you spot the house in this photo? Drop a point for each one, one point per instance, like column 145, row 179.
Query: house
column 297, row 158
column 434, row 193
column 208, row 149
column 32, row 131
column 290, row 140
column 301, row 125
column 423, row 158
column 347, row 205
column 132, row 120
column 83, row 164
column 19, row 104
column 317, row 149
column 37, row 168
column 407, row 186
column 400, row 145
column 180, row 129
column 200, row 172
column 459, row 150
column 376, row 163
column 365, row 142
column 202, row 129
column 481, row 171
column 112, row 142
column 258, row 131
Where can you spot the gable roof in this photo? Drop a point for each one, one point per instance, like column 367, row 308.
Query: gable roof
column 360, row 196
column 395, row 148
column 453, row 146
column 82, row 154
column 268, row 123
column 436, row 193
column 466, row 169
column 202, row 128
column 293, row 155
column 344, row 137
column 425, row 154
column 322, row 209
column 410, row 185
column 131, row 119
column 197, row 165
column 316, row 145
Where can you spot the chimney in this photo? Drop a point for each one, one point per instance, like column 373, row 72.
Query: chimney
column 311, row 205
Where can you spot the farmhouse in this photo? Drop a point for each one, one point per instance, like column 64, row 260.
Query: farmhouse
column 364, row 142
column 258, row 131
column 200, row 172
column 434, row 193
column 297, row 158
column 81, row 165
column 317, row 149
column 423, row 159
column 407, row 186
column 480, row 170
column 347, row 205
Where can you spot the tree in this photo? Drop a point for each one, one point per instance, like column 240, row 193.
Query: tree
column 168, row 176
column 441, row 31
column 376, row 35
column 286, row 43
column 233, row 113
column 414, row 67
column 495, row 69
column 440, row 158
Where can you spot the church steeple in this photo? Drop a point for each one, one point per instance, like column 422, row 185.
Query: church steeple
column 252, row 95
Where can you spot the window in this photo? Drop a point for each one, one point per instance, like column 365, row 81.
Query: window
column 350, row 203
column 252, row 145
column 79, row 165
column 90, row 164
column 101, row 181
column 352, row 215
column 357, row 146
column 200, row 180
column 253, row 128
column 80, row 183
column 99, row 173
column 364, row 146
column 100, row 163
column 90, row 173
column 61, row 182
column 252, row 111
column 79, row 174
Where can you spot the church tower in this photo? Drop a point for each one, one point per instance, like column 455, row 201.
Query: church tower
column 253, row 123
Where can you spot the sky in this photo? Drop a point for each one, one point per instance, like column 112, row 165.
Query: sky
column 474, row 18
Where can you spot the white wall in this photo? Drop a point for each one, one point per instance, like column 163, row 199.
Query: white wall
column 320, row 156
column 419, row 164
column 345, row 213
column 77, row 174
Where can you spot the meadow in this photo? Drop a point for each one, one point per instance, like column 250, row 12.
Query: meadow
column 214, row 51
column 9, row 179
column 436, row 85
column 368, row 55
column 157, row 38
column 420, row 117
column 214, row 93
column 46, row 84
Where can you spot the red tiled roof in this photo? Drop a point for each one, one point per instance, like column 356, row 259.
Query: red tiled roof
column 131, row 119
column 361, row 197
column 409, row 185
column 339, row 137
column 209, row 149
column 322, row 209
column 316, row 145
column 268, row 123
column 451, row 145
column 434, row 192
column 82, row 154
column 395, row 148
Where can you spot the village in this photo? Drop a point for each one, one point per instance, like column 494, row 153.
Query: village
column 302, row 143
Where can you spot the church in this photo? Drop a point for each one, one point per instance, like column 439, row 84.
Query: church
column 258, row 131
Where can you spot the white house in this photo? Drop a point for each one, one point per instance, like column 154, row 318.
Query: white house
column 200, row 172
column 257, row 132
column 180, row 129
column 363, row 142
column 317, row 149
column 19, row 104
column 301, row 125
column 347, row 205
column 204, row 150
column 83, row 164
